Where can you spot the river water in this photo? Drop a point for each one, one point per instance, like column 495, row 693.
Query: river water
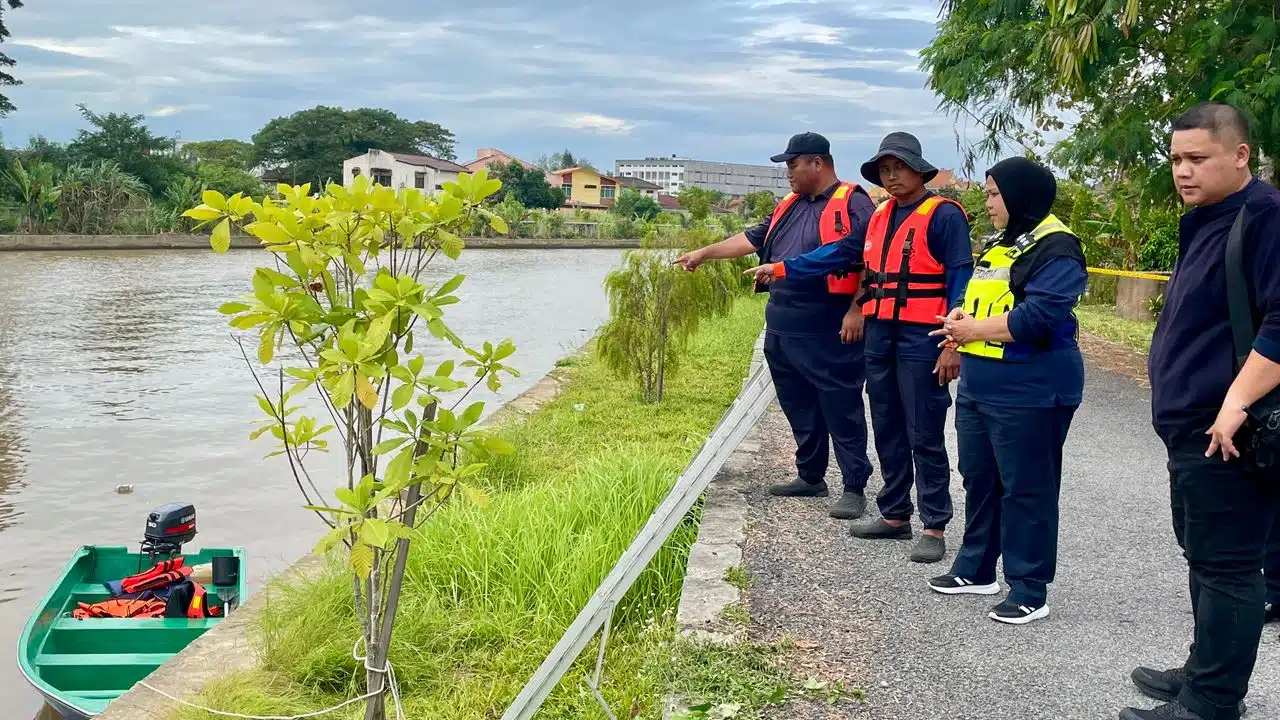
column 116, row 369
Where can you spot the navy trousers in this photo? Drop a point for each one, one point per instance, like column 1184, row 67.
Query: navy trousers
column 819, row 382
column 909, row 416
column 1011, row 460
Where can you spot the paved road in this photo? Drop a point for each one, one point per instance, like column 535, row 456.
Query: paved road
column 1119, row 599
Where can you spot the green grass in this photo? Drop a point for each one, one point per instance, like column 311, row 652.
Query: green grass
column 1101, row 320
column 489, row 592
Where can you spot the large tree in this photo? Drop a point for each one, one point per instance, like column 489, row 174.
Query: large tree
column 1117, row 71
column 310, row 145
column 562, row 160
column 130, row 144
column 527, row 185
column 6, row 78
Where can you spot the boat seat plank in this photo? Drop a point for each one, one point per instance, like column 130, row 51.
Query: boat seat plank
column 98, row 659
column 89, row 589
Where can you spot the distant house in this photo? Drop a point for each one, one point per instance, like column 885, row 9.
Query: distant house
column 644, row 187
column 586, row 188
column 485, row 157
column 402, row 170
column 668, row 202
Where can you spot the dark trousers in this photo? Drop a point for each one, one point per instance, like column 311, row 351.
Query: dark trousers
column 819, row 383
column 1011, row 460
column 1271, row 566
column 909, row 416
column 1223, row 513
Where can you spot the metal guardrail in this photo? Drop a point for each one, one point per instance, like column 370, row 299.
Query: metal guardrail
column 747, row 408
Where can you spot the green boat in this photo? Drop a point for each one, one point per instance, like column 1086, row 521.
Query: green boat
column 81, row 665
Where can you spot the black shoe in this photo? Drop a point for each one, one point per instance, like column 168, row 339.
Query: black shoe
column 878, row 529
column 1272, row 613
column 1163, row 685
column 799, row 488
column 1168, row 711
column 850, row 506
column 956, row 585
column 1011, row 613
column 929, row 549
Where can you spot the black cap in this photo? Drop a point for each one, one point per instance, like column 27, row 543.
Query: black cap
column 804, row 144
column 906, row 148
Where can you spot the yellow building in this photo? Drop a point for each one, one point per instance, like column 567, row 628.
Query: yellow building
column 586, row 188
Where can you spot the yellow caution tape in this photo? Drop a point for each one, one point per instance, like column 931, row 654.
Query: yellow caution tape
column 1125, row 273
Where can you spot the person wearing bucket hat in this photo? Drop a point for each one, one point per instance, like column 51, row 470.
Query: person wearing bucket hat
column 918, row 259
column 813, row 328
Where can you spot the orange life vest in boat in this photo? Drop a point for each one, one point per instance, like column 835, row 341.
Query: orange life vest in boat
column 904, row 280
column 164, row 573
column 120, row 608
column 834, row 225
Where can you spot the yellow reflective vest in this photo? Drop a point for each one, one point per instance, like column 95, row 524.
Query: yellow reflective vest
column 989, row 293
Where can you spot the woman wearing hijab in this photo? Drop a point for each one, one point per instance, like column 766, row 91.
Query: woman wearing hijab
column 1021, row 380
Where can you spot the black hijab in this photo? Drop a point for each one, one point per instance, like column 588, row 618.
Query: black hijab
column 1029, row 190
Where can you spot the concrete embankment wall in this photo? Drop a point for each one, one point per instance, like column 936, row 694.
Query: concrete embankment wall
column 201, row 242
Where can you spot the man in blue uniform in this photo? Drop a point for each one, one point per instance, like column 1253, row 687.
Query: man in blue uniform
column 813, row 338
column 918, row 258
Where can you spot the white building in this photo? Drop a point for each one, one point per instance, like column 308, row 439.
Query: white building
column 401, row 170
column 733, row 179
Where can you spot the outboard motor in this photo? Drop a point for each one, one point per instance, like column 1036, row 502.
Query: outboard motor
column 168, row 527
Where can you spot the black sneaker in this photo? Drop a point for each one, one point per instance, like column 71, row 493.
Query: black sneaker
column 1168, row 711
column 1163, row 685
column 850, row 506
column 956, row 585
column 1012, row 613
column 799, row 488
column 879, row 529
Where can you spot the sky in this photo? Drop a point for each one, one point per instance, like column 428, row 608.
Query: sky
column 724, row 80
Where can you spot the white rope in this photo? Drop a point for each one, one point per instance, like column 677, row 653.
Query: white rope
column 391, row 684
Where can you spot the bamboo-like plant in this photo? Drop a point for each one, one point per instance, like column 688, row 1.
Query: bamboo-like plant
column 35, row 187
column 345, row 294
column 655, row 307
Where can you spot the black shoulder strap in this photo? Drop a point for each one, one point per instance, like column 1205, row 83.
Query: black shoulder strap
column 1243, row 330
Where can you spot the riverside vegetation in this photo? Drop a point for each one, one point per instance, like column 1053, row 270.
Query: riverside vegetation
column 479, row 590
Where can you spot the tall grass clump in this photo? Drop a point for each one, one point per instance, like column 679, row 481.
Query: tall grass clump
column 489, row 591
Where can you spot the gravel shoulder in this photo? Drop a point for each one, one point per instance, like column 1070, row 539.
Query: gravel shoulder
column 865, row 615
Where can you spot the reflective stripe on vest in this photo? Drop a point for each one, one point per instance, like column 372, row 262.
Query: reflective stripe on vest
column 833, row 226
column 904, row 281
column 989, row 293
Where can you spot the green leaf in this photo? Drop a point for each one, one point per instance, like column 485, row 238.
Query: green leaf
column 397, row 474
column 330, row 540
column 475, row 495
column 379, row 329
column 362, row 559
column 499, row 446
column 387, row 446
column 269, row 232
column 331, row 511
column 472, row 414
column 267, row 344
column 451, row 245
column 402, row 396
column 452, row 284
column 214, row 199
column 375, row 532
column 221, row 238
column 202, row 214
column 232, row 308
column 343, row 389
column 499, row 225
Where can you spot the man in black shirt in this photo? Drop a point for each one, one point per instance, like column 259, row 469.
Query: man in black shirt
column 1223, row 506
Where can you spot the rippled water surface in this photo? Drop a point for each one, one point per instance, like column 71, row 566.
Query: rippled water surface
column 115, row 368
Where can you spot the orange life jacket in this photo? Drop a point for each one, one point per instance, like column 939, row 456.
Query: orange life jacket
column 834, row 225
column 200, row 606
column 904, row 280
column 164, row 573
column 119, row 608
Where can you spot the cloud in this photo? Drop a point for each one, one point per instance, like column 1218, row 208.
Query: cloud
column 599, row 124
column 721, row 79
